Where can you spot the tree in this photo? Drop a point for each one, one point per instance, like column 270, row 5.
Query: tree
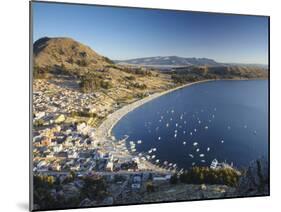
column 150, row 187
column 94, row 188
column 174, row 179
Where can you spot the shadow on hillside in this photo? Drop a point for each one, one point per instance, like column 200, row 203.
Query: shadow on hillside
column 66, row 82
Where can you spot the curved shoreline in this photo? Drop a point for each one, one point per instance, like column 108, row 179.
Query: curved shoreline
column 104, row 130
column 104, row 135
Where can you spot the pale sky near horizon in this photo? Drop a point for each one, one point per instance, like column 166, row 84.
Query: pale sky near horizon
column 123, row 33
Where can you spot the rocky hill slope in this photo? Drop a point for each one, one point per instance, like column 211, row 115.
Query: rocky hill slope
column 69, row 68
column 68, row 54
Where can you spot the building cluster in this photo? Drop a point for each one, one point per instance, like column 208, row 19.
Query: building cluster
column 64, row 144
column 60, row 145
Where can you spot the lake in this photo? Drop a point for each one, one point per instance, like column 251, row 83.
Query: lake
column 225, row 120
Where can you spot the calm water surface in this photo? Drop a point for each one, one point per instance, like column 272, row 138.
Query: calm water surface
column 226, row 120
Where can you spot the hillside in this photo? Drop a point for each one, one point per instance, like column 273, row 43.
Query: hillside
column 196, row 73
column 65, row 67
column 67, row 54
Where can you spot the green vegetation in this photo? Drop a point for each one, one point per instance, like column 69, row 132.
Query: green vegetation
column 70, row 60
column 150, row 187
column 42, row 195
column 143, row 72
column 40, row 73
column 194, row 73
column 93, row 82
column 130, row 77
column 108, row 60
column 140, row 95
column 180, row 78
column 47, row 195
column 82, row 114
column 82, row 63
column 200, row 175
column 94, row 188
column 137, row 85
column 263, row 181
column 38, row 122
column 137, row 71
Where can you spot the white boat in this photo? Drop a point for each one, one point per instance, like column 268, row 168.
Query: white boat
column 191, row 155
column 197, row 150
column 208, row 149
column 201, row 155
column 195, row 144
column 214, row 164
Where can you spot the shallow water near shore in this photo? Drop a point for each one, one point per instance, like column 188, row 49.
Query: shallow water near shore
column 226, row 120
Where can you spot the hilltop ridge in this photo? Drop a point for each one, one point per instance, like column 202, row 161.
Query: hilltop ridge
column 68, row 54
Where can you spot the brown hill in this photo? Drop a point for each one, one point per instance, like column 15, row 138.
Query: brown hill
column 61, row 59
column 66, row 54
column 196, row 73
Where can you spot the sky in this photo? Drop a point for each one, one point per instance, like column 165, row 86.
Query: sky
column 127, row 33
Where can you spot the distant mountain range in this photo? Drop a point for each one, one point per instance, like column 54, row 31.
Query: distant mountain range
column 169, row 61
column 53, row 56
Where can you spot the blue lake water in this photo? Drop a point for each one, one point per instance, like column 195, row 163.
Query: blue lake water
column 226, row 120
